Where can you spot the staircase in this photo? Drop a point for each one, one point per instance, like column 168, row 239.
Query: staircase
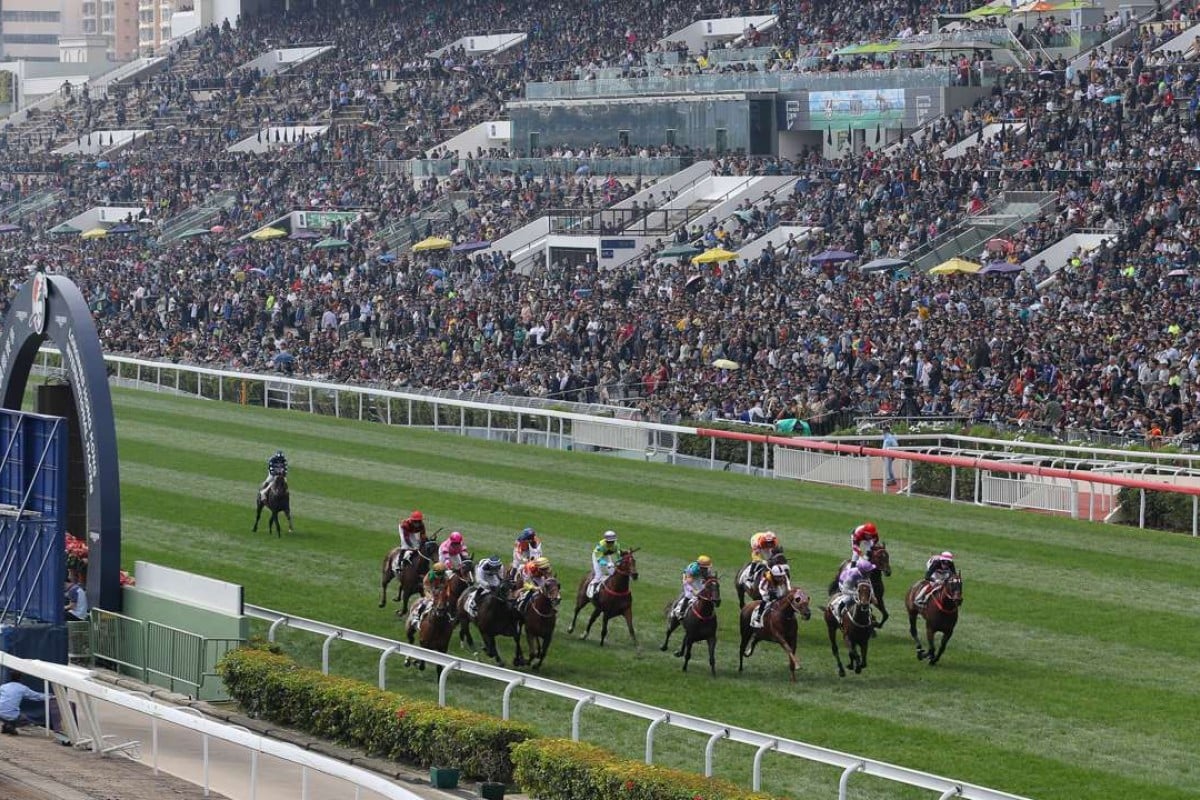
column 31, row 204
column 406, row 231
column 1005, row 217
column 199, row 217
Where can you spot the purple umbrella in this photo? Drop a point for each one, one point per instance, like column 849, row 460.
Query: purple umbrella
column 831, row 256
column 470, row 247
column 8, row 227
column 1178, row 273
column 305, row 234
column 1001, row 268
column 123, row 228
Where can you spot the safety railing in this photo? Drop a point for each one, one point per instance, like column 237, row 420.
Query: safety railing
column 511, row 419
column 75, row 688
column 656, row 717
column 119, row 640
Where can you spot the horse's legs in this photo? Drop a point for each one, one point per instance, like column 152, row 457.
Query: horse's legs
column 883, row 612
column 591, row 621
column 912, row 631
column 946, row 634
column 579, row 604
column 672, row 624
column 685, row 650
column 387, row 578
column 544, row 646
column 741, row 590
column 257, row 516
column 746, row 634
column 862, row 654
column 287, row 512
column 833, row 637
column 712, row 653
column 489, row 646
column 604, row 628
column 629, row 624
column 790, row 654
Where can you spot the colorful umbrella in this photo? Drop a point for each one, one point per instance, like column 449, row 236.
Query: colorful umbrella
column 679, row 250
column 725, row 363
column 955, row 265
column 264, row 234
column 880, row 264
column 94, row 233
column 831, row 256
column 1001, row 268
column 1178, row 273
column 432, row 243
column 714, row 256
column 469, row 247
column 123, row 228
column 64, row 228
column 1000, row 246
column 331, row 244
column 193, row 232
column 305, row 234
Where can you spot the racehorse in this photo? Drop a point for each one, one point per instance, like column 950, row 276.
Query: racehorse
column 433, row 627
column 779, row 625
column 940, row 613
column 852, row 618
column 748, row 575
column 883, row 568
column 539, row 618
column 277, row 500
column 699, row 624
column 613, row 598
column 494, row 616
column 461, row 579
column 410, row 575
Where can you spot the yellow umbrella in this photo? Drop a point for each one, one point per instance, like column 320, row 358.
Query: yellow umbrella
column 94, row 233
column 263, row 234
column 725, row 363
column 432, row 243
column 714, row 256
column 955, row 265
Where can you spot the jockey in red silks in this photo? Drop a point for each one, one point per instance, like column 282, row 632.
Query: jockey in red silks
column 452, row 552
column 862, row 540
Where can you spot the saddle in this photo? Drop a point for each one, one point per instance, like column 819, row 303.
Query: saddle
column 751, row 573
column 592, row 588
column 471, row 604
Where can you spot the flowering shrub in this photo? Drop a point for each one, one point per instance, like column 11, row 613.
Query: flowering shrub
column 77, row 558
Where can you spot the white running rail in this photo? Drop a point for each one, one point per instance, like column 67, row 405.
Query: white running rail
column 716, row 731
column 74, row 687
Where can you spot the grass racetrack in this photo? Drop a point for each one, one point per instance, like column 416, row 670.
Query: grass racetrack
column 1073, row 673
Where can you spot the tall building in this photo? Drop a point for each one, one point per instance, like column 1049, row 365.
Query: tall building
column 29, row 29
column 115, row 20
column 154, row 24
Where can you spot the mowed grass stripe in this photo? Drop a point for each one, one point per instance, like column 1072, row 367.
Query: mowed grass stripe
column 978, row 678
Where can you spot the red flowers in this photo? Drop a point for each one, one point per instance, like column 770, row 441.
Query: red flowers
column 77, row 558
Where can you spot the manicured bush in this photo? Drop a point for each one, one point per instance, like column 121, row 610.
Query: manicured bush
column 271, row 686
column 1165, row 511
column 560, row 769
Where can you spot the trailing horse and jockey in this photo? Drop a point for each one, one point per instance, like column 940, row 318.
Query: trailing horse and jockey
column 526, row 548
column 533, row 575
column 765, row 551
column 603, row 563
column 851, row 576
column 938, row 569
column 276, row 465
column 412, row 537
column 274, row 495
column 487, row 579
column 453, row 552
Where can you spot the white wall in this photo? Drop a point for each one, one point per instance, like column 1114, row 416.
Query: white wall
column 481, row 45
column 715, row 32
column 184, row 23
column 485, row 135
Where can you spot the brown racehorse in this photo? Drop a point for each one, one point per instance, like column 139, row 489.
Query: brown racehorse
column 540, row 616
column 940, row 613
column 433, row 628
column 410, row 576
column 278, row 499
column 883, row 568
column 461, row 579
column 853, row 621
column 779, row 625
column 495, row 616
column 748, row 575
column 699, row 624
column 613, row 598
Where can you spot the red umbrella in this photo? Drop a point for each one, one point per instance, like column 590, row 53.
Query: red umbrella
column 1000, row 246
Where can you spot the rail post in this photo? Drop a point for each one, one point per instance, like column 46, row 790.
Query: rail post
column 506, row 700
column 953, row 480
column 274, row 625
column 445, row 676
column 1141, row 508
column 1195, row 530
column 708, row 750
column 650, row 736
column 955, row 791
column 383, row 657
column 575, row 714
column 325, row 651
column 844, row 781
column 756, row 770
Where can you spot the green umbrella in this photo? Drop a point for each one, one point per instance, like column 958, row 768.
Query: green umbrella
column 64, row 228
column 190, row 232
column 676, row 250
column 331, row 244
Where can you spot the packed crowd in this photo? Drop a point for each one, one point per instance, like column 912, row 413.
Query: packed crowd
column 1105, row 341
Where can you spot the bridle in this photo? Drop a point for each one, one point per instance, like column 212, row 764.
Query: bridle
column 704, row 594
column 945, row 600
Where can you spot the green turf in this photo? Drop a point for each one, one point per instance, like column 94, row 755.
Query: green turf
column 1072, row 675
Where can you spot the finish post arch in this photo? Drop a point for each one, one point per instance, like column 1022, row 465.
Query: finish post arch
column 52, row 307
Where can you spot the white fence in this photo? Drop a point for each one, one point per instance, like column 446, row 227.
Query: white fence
column 521, row 420
column 79, row 696
column 1036, row 495
column 656, row 717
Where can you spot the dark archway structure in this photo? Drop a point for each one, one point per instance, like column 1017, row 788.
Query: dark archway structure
column 52, row 307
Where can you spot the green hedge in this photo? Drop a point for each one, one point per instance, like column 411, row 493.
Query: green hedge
column 1165, row 511
column 354, row 713
column 559, row 769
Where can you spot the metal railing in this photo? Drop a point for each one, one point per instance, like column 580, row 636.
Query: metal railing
column 75, row 688
column 583, row 698
column 119, row 640
column 615, row 165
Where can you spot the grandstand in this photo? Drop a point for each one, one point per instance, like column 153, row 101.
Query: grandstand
column 267, row 192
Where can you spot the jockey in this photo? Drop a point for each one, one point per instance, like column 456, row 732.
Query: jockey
column 863, row 540
column 487, row 579
column 453, row 551
column 854, row 573
column 937, row 569
column 775, row 583
column 534, row 573
column 276, row 465
column 763, row 545
column 602, row 557
column 694, row 575
column 412, row 535
column 433, row 585
column 525, row 549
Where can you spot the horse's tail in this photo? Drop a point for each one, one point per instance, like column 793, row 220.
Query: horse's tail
column 833, row 586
